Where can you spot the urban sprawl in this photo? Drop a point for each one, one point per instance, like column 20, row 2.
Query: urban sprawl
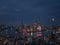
column 32, row 34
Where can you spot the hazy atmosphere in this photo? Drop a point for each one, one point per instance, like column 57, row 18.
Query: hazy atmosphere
column 13, row 11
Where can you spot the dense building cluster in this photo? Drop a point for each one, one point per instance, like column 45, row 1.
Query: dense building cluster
column 33, row 34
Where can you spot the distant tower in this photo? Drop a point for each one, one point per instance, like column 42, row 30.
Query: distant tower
column 39, row 28
column 38, row 21
column 22, row 24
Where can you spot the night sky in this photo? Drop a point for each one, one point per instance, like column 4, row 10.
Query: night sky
column 13, row 11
